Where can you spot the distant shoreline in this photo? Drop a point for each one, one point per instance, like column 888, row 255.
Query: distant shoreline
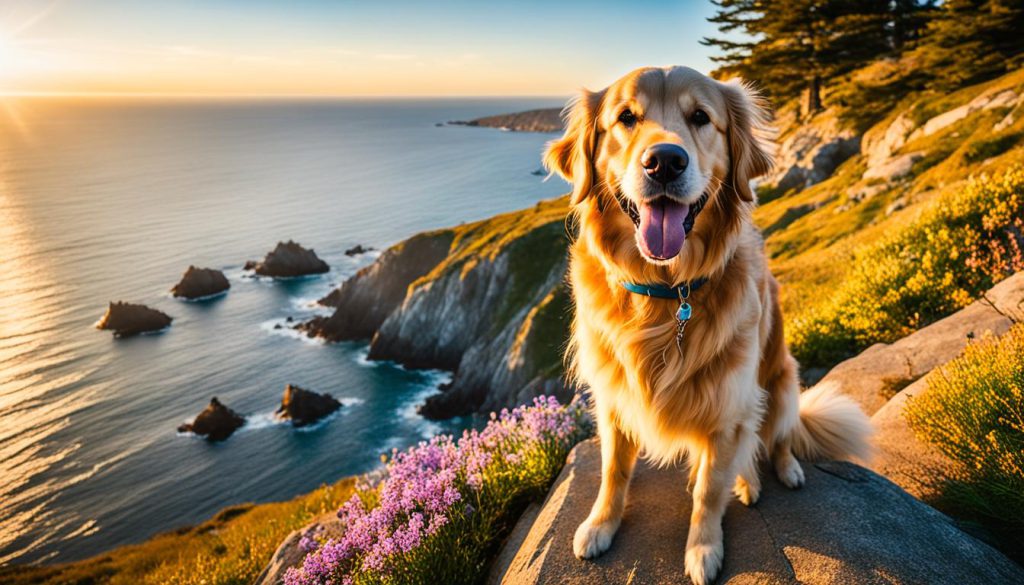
column 548, row 120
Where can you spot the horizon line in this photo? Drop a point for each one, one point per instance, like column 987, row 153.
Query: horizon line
column 198, row 95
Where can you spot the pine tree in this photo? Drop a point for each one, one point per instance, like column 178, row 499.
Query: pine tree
column 971, row 40
column 797, row 47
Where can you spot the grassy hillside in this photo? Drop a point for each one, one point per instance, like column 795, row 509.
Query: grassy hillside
column 882, row 247
column 229, row 549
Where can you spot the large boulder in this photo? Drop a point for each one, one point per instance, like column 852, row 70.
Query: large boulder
column 303, row 407
column 846, row 525
column 895, row 168
column 127, row 319
column 288, row 259
column 880, row 371
column 811, row 153
column 199, row 283
column 216, row 422
column 880, row 144
column 294, row 548
column 915, row 465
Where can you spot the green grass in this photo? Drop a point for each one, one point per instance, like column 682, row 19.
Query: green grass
column 229, row 549
column 973, row 412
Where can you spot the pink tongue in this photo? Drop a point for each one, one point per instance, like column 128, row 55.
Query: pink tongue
column 661, row 228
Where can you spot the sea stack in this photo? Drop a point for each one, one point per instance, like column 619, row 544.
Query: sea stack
column 199, row 283
column 288, row 259
column 127, row 319
column 359, row 249
column 303, row 407
column 216, row 422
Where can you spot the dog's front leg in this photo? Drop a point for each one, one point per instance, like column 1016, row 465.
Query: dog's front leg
column 618, row 456
column 716, row 470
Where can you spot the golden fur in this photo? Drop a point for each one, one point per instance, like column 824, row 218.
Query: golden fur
column 731, row 389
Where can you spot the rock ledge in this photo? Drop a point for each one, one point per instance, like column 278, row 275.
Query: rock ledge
column 847, row 525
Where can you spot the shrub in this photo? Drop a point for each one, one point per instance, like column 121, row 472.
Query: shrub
column 442, row 507
column 974, row 414
column 957, row 249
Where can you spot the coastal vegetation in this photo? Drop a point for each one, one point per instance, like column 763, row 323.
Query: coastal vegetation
column 442, row 507
column 229, row 549
column 974, row 413
column 960, row 246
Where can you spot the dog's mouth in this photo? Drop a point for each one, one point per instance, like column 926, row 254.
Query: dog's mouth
column 662, row 224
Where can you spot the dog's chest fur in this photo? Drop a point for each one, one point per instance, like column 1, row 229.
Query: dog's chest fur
column 670, row 398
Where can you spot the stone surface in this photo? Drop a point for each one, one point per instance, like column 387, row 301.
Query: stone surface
column 914, row 465
column 303, row 407
column 216, row 423
column 985, row 101
column 127, row 319
column 894, row 168
column 289, row 259
column 811, row 153
column 878, row 146
column 846, row 525
column 198, row 283
column 290, row 554
column 871, row 377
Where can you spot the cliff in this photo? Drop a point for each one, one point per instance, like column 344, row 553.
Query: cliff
column 486, row 300
column 364, row 301
column 542, row 120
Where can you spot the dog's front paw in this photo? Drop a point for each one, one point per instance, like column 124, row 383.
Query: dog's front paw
column 703, row 562
column 790, row 473
column 593, row 538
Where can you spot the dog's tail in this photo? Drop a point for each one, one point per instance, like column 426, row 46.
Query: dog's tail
column 831, row 426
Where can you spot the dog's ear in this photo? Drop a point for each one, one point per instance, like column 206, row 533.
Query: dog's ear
column 572, row 155
column 749, row 151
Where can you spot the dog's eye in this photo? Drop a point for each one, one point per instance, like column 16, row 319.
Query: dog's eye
column 699, row 118
column 628, row 118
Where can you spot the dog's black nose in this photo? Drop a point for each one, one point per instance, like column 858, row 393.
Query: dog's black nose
column 664, row 162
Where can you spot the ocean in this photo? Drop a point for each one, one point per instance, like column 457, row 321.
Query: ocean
column 112, row 199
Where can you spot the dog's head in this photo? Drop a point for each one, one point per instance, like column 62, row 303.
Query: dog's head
column 662, row 143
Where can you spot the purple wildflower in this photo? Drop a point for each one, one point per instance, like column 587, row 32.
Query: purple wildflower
column 424, row 493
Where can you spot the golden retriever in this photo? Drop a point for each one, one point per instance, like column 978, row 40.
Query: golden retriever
column 661, row 163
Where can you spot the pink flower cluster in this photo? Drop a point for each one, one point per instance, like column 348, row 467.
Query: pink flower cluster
column 435, row 485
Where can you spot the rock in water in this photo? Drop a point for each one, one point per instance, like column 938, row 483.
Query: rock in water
column 216, row 422
column 198, row 283
column 359, row 249
column 846, row 525
column 127, row 319
column 289, row 259
column 303, row 407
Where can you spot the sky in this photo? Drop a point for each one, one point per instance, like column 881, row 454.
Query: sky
column 341, row 48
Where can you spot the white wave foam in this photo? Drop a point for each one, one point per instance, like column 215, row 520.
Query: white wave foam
column 262, row 420
column 310, row 305
column 410, row 410
column 201, row 299
column 288, row 330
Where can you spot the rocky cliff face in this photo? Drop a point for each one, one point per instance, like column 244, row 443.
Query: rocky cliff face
column 364, row 301
column 486, row 300
column 810, row 153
